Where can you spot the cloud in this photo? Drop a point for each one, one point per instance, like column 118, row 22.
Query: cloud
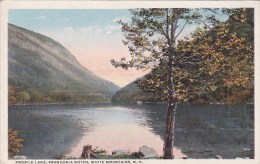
column 69, row 29
column 40, row 17
column 108, row 29
column 112, row 28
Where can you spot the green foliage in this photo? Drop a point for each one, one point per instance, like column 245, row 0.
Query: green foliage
column 38, row 97
column 60, row 96
column 15, row 143
column 19, row 94
column 215, row 64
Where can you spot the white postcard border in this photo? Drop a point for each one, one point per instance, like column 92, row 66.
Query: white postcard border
column 6, row 5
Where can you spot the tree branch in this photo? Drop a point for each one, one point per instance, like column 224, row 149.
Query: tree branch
column 173, row 30
column 167, row 27
column 180, row 31
column 160, row 29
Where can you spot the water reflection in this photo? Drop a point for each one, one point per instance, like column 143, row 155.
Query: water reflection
column 48, row 132
column 203, row 131
column 51, row 131
column 121, row 128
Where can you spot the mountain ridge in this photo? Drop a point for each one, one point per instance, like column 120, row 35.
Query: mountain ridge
column 131, row 93
column 38, row 63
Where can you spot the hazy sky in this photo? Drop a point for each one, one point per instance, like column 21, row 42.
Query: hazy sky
column 92, row 35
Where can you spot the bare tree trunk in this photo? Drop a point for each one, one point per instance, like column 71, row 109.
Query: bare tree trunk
column 171, row 104
column 86, row 152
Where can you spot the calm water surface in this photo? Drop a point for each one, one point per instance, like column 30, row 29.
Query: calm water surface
column 52, row 131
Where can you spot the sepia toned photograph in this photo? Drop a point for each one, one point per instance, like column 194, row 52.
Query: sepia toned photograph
column 129, row 84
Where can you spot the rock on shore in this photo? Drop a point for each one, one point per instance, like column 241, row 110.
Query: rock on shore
column 148, row 152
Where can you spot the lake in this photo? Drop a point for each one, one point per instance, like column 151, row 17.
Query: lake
column 202, row 131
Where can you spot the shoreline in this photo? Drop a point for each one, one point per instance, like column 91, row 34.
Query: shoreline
column 54, row 104
column 119, row 103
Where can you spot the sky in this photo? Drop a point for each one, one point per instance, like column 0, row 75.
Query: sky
column 93, row 36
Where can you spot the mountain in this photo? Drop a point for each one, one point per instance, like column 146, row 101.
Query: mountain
column 131, row 93
column 41, row 70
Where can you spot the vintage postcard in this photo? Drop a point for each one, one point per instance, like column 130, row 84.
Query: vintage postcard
column 129, row 82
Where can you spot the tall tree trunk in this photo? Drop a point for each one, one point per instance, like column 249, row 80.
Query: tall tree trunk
column 171, row 104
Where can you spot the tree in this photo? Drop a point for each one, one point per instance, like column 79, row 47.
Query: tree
column 215, row 64
column 151, row 38
column 228, row 56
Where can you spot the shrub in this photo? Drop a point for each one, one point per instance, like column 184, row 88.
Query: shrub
column 22, row 97
column 14, row 142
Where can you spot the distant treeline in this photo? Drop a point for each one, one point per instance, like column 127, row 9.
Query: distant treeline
column 20, row 95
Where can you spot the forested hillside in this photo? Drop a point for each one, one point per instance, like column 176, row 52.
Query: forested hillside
column 41, row 70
